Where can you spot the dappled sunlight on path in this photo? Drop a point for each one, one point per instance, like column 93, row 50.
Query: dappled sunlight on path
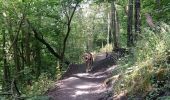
column 82, row 86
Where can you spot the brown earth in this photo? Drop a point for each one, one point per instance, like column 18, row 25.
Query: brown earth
column 78, row 85
column 82, row 86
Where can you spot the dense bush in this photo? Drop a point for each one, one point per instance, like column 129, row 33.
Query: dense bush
column 147, row 73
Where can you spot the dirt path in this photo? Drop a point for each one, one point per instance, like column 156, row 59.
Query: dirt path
column 82, row 86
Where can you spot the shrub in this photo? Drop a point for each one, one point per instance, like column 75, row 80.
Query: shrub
column 147, row 64
column 39, row 87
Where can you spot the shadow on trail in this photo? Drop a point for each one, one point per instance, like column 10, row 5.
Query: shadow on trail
column 75, row 84
column 81, row 86
column 97, row 65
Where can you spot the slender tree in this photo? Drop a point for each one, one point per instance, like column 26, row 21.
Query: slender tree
column 38, row 35
column 27, row 45
column 37, row 51
column 6, row 74
column 69, row 16
column 114, row 25
column 130, row 39
column 137, row 19
column 108, row 28
column 14, row 45
column 109, row 34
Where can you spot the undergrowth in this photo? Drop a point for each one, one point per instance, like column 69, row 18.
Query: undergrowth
column 146, row 73
column 38, row 88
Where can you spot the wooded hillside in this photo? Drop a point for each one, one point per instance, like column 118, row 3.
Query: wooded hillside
column 40, row 39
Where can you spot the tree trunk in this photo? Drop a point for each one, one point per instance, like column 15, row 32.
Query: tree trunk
column 22, row 51
column 117, row 29
column 27, row 46
column 16, row 57
column 137, row 19
column 6, row 72
column 109, row 35
column 114, row 25
column 39, row 37
column 38, row 54
column 69, row 20
column 14, row 46
column 129, row 24
column 61, row 56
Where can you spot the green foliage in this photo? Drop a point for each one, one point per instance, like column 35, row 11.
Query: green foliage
column 2, row 98
column 157, row 8
column 89, row 28
column 149, row 64
column 164, row 98
column 106, row 48
column 39, row 98
column 39, row 87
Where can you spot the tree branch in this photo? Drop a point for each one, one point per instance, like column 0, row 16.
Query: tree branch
column 68, row 29
column 19, row 28
column 52, row 51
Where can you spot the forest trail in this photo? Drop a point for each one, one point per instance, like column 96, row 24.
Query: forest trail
column 78, row 85
column 82, row 86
